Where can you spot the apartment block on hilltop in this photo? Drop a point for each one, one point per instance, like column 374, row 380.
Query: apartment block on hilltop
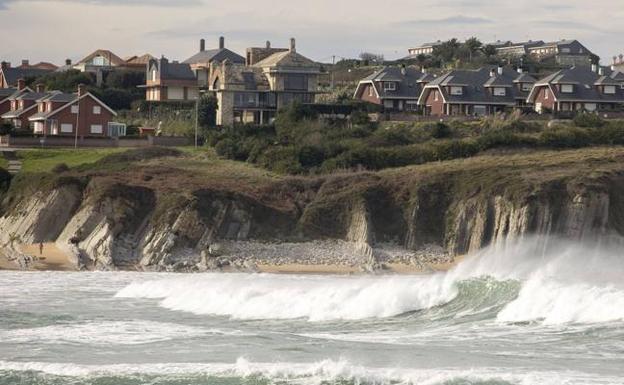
column 579, row 89
column 394, row 88
column 567, row 53
column 479, row 92
column 253, row 93
column 514, row 50
column 424, row 49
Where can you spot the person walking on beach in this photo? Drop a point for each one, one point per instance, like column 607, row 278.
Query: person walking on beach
column 40, row 248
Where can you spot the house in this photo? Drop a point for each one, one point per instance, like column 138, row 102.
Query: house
column 618, row 63
column 253, row 93
column 394, row 88
column 76, row 114
column 516, row 50
column 201, row 61
column 98, row 60
column 138, row 63
column 22, row 106
column 578, row 89
column 484, row 91
column 424, row 49
column 6, row 94
column 566, row 53
column 10, row 75
column 170, row 81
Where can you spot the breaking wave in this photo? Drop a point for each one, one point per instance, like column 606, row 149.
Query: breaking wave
column 550, row 283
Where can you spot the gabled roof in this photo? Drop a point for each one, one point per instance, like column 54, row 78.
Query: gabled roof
column 215, row 55
column 139, row 60
column 289, row 59
column 40, row 116
column 114, row 59
column 13, row 74
column 408, row 82
column 6, row 93
column 525, row 78
column 584, row 81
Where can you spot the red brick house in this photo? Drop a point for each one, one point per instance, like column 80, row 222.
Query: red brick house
column 62, row 114
column 579, row 89
column 22, row 106
column 479, row 92
column 6, row 94
column 394, row 88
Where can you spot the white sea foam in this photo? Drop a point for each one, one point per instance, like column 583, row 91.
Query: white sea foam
column 133, row 332
column 562, row 282
column 319, row 373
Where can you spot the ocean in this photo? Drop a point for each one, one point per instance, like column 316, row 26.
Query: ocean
column 505, row 316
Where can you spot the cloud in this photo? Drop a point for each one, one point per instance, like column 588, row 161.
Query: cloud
column 452, row 20
column 4, row 4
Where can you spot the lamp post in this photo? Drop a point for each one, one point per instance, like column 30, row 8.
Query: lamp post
column 200, row 92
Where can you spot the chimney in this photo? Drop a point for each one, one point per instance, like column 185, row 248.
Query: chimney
column 293, row 46
column 21, row 84
column 67, row 62
column 81, row 90
column 519, row 70
column 25, row 62
column 492, row 72
column 40, row 88
column 500, row 70
column 221, row 42
column 202, row 45
column 594, row 68
column 268, row 44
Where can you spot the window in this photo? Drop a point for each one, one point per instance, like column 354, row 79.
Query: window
column 411, row 105
column 370, row 90
column 546, row 94
column 590, row 107
column 436, row 97
column 527, row 86
column 388, row 104
column 610, row 90
column 567, row 88
column 67, row 127
column 457, row 91
column 295, row 82
column 96, row 129
column 499, row 91
column 97, row 110
column 389, row 86
column 74, row 109
column 154, row 76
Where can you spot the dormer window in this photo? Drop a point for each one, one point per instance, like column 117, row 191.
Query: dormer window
column 389, row 86
column 526, row 86
column 499, row 91
column 609, row 90
column 567, row 88
column 457, row 91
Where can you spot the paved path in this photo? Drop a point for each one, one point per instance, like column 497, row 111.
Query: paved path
column 14, row 163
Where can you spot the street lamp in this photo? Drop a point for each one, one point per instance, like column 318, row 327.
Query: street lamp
column 200, row 92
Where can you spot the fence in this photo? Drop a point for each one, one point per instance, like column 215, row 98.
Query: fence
column 55, row 141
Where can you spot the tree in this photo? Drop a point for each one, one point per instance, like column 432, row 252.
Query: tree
column 447, row 51
column 207, row 111
column 473, row 46
column 489, row 50
column 368, row 57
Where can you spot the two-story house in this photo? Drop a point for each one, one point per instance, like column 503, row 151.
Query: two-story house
column 578, row 89
column 22, row 106
column 566, row 53
column 394, row 88
column 80, row 113
column 6, row 94
column 170, row 81
column 479, row 92
column 254, row 93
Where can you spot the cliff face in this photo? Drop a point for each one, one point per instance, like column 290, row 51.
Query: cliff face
column 117, row 224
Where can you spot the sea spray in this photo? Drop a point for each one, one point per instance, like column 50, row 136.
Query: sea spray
column 562, row 282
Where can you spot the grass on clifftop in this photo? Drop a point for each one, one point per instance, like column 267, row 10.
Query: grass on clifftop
column 44, row 160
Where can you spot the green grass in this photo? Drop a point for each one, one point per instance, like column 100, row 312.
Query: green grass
column 3, row 163
column 44, row 160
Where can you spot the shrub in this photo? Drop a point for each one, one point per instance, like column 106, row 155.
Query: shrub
column 565, row 137
column 228, row 148
column 587, row 120
column 441, row 131
column 311, row 156
column 284, row 160
column 60, row 168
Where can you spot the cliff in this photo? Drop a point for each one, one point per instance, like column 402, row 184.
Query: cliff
column 165, row 210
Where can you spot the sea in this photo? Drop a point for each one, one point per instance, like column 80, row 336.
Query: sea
column 512, row 314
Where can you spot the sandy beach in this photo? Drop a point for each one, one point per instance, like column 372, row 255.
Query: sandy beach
column 51, row 258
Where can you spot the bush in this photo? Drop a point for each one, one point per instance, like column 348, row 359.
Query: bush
column 284, row 160
column 565, row 137
column 311, row 156
column 588, row 120
column 60, row 168
column 228, row 148
column 6, row 128
column 441, row 131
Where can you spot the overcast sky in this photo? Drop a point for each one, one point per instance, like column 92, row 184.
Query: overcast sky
column 53, row 30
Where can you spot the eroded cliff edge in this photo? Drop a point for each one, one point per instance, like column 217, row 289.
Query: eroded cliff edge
column 165, row 210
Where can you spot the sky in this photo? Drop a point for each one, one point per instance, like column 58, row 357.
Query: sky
column 54, row 30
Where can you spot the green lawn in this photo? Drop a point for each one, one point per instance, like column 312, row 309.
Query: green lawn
column 43, row 160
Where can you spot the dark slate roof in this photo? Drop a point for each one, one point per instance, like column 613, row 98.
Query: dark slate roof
column 14, row 73
column 217, row 55
column 476, row 84
column 178, row 71
column 408, row 82
column 32, row 96
column 61, row 97
column 525, row 78
column 584, row 81
column 6, row 92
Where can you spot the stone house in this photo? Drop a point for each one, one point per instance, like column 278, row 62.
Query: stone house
column 394, row 88
column 484, row 91
column 253, row 93
column 201, row 61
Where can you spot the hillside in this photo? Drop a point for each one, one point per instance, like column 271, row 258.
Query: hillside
column 165, row 209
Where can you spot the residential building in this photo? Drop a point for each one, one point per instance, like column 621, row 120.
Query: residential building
column 618, row 63
column 170, row 81
column 138, row 63
column 567, row 53
column 514, row 50
column 424, row 49
column 578, row 89
column 22, row 106
column 6, row 94
column 100, row 59
column 476, row 92
column 394, row 88
column 10, row 75
column 254, row 93
column 257, row 54
column 201, row 61
column 81, row 114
